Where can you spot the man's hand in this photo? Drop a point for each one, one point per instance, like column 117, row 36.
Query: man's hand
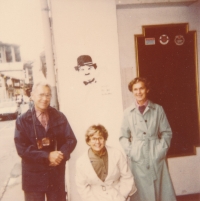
column 55, row 157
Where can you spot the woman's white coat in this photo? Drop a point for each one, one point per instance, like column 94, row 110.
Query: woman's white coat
column 117, row 185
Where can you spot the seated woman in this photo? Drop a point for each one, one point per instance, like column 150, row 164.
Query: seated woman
column 102, row 173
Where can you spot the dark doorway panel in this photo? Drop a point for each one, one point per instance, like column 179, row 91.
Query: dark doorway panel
column 167, row 57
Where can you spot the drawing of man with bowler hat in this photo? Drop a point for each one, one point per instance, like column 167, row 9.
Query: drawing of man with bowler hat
column 87, row 69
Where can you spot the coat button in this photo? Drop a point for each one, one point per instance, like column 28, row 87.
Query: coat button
column 103, row 188
column 144, row 133
column 145, row 120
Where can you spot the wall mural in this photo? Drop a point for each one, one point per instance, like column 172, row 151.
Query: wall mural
column 86, row 68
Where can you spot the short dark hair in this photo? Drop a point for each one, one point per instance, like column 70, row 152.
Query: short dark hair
column 136, row 80
column 96, row 129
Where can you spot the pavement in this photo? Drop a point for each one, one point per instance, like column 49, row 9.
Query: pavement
column 12, row 188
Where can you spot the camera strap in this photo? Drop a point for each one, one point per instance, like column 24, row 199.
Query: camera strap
column 36, row 137
column 44, row 141
column 38, row 142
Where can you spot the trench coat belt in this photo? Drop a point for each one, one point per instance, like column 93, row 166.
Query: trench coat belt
column 102, row 187
column 147, row 139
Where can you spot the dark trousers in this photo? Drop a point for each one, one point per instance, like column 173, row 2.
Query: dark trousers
column 50, row 196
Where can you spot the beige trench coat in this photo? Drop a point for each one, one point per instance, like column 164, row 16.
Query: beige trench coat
column 146, row 139
column 117, row 185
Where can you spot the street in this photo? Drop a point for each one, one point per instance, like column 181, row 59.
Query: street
column 10, row 169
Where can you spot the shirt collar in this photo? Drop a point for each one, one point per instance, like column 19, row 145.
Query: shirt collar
column 38, row 112
column 133, row 106
column 43, row 117
column 102, row 153
column 145, row 104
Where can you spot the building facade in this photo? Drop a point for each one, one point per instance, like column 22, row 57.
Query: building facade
column 106, row 33
column 15, row 76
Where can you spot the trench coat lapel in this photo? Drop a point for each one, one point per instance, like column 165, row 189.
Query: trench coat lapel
column 90, row 170
column 146, row 109
column 136, row 118
column 149, row 112
column 112, row 162
column 139, row 119
column 132, row 118
column 111, row 165
column 141, row 123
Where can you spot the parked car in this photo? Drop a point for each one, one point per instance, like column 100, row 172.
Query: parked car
column 19, row 99
column 9, row 110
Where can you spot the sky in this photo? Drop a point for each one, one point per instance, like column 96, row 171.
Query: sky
column 21, row 24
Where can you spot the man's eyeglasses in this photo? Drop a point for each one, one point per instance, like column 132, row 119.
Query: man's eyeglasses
column 48, row 96
column 94, row 139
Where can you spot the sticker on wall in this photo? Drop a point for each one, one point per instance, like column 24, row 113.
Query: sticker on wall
column 86, row 69
column 179, row 40
column 150, row 41
column 164, row 39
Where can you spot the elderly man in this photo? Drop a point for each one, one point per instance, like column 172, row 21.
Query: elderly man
column 145, row 137
column 44, row 141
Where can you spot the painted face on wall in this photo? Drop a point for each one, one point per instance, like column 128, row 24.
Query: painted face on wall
column 41, row 97
column 86, row 69
column 140, row 92
column 97, row 142
column 87, row 73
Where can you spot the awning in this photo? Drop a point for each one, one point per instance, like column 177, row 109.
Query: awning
column 18, row 75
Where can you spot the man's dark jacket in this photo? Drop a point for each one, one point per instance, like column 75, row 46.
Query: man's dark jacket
column 37, row 175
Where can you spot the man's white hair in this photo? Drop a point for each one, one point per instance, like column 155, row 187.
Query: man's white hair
column 41, row 83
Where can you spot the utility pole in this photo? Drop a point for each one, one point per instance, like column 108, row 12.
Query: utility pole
column 49, row 52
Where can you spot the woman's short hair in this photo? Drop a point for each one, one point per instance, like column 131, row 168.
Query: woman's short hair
column 136, row 80
column 41, row 83
column 96, row 129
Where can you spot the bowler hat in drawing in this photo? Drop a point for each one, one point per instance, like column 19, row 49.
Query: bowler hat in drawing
column 84, row 60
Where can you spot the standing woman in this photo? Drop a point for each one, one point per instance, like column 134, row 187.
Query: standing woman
column 145, row 137
column 102, row 173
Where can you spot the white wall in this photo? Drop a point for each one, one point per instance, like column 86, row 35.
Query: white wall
column 87, row 27
column 185, row 171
